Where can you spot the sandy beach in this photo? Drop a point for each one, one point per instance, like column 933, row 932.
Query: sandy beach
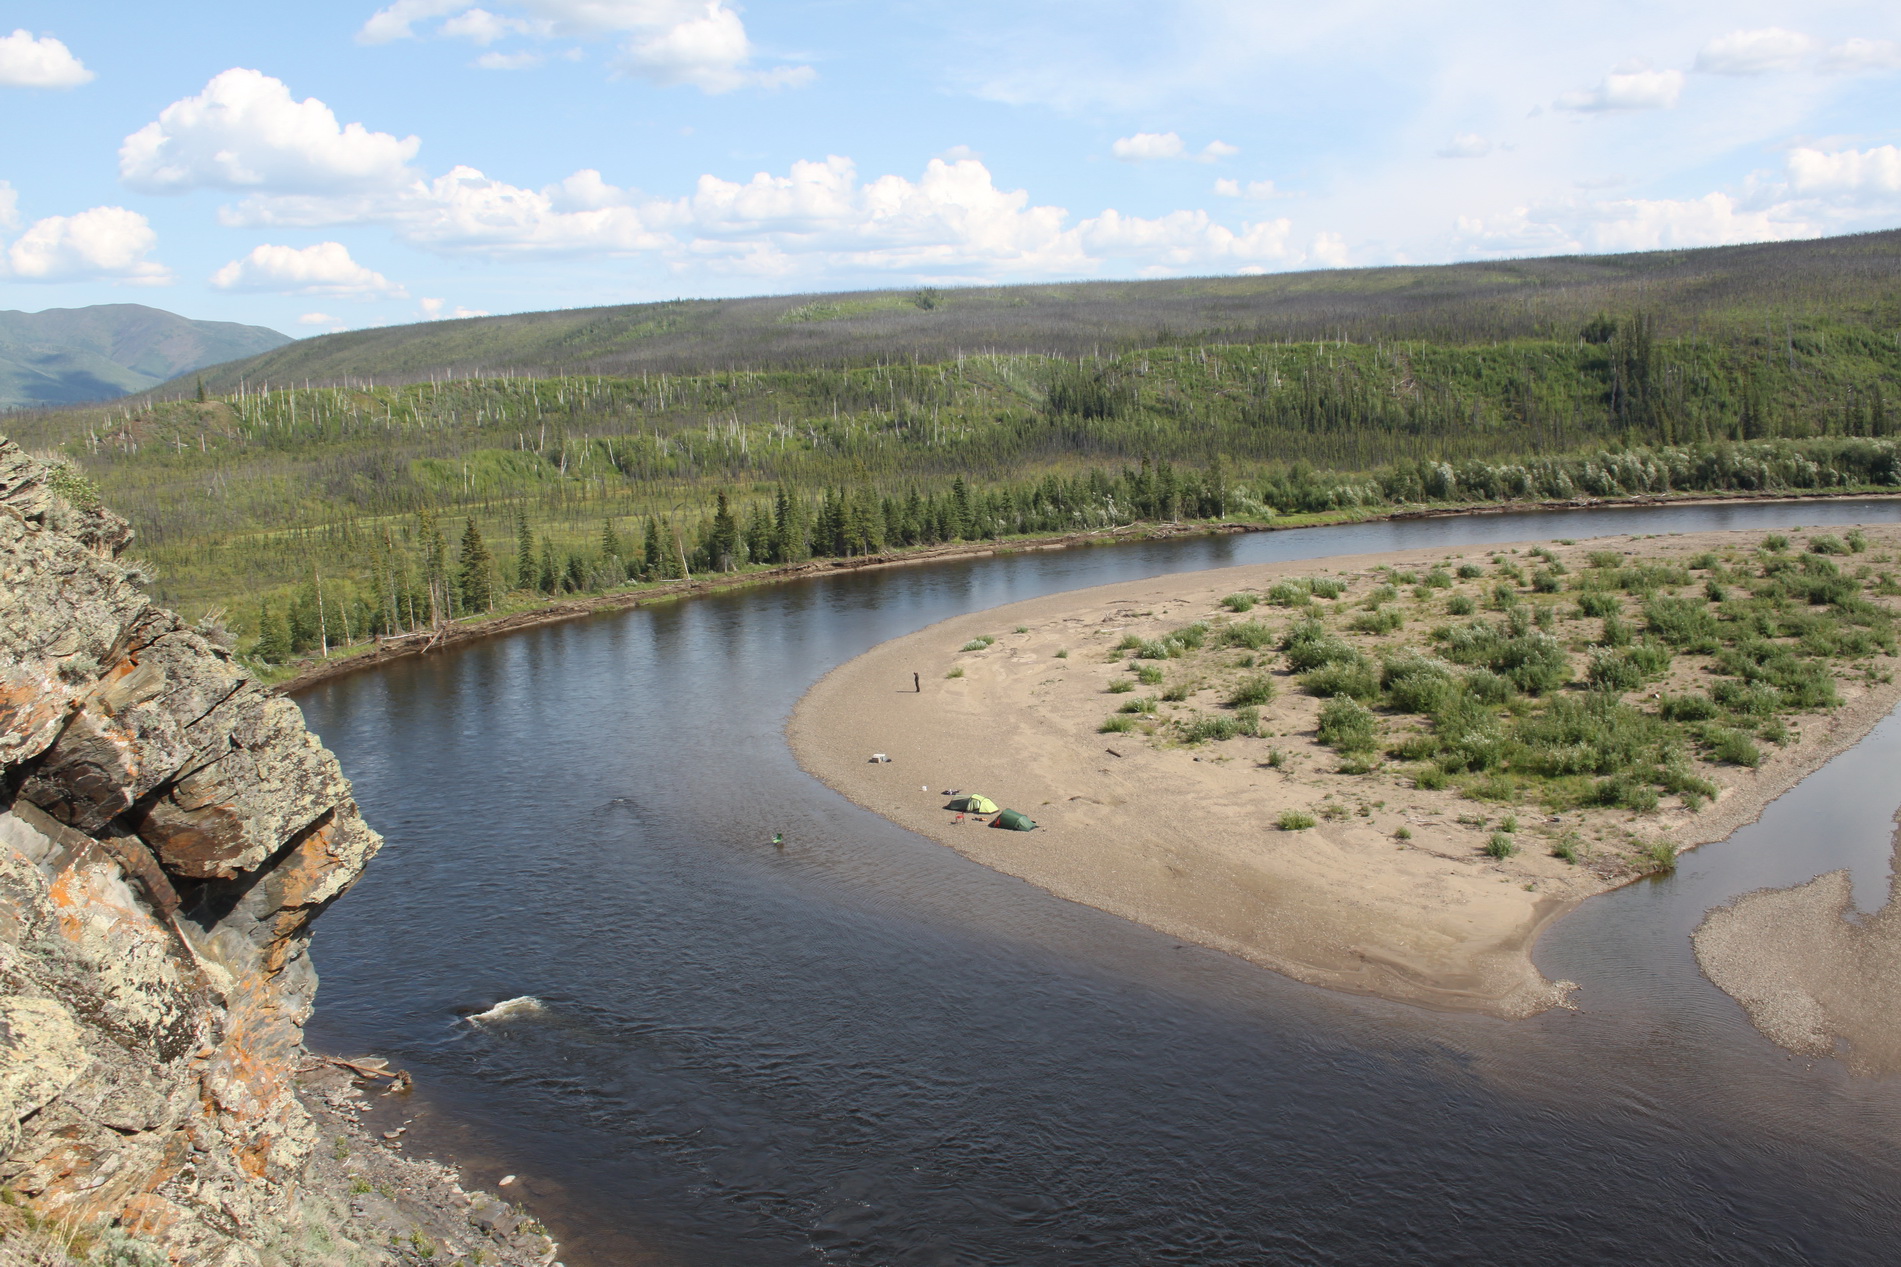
column 1391, row 892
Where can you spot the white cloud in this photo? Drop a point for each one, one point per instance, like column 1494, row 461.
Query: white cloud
column 432, row 310
column 667, row 42
column 1859, row 54
column 1753, row 52
column 1330, row 249
column 26, row 62
column 323, row 269
column 1631, row 87
column 819, row 216
column 1255, row 190
column 1859, row 174
column 9, row 206
column 246, row 131
column 1465, row 145
column 1146, row 147
column 1630, row 224
column 102, row 244
column 316, row 319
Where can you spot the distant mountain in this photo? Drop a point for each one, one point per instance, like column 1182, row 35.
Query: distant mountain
column 66, row 355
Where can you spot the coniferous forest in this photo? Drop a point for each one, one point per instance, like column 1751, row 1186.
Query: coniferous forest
column 311, row 513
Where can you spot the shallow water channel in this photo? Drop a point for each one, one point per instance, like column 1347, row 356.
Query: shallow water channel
column 866, row 1049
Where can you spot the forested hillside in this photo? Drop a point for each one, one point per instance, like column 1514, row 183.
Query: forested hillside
column 67, row 355
column 405, row 504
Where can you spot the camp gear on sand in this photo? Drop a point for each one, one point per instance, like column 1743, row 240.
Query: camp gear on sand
column 1014, row 820
column 971, row 803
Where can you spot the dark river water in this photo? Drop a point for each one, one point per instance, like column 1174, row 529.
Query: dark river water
column 867, row 1050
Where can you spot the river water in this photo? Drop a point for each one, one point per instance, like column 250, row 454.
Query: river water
column 865, row 1049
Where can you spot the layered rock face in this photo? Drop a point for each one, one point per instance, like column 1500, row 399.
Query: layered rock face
column 168, row 831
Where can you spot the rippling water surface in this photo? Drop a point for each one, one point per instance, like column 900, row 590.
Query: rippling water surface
column 865, row 1049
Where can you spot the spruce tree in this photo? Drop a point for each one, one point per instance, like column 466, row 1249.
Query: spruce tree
column 610, row 540
column 550, row 572
column 524, row 553
column 478, row 586
column 723, row 541
column 273, row 639
column 653, row 562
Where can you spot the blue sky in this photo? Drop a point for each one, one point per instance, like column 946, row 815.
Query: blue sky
column 335, row 165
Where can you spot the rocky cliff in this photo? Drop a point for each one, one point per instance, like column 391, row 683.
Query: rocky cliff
column 168, row 831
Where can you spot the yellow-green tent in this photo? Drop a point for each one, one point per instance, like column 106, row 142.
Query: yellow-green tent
column 972, row 804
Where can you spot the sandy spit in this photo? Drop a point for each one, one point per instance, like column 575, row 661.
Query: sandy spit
column 1183, row 838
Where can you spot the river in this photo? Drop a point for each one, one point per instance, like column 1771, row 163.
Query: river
column 864, row 1049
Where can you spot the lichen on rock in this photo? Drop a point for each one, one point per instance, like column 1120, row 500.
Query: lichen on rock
column 168, row 831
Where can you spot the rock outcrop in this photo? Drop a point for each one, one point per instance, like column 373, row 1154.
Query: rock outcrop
column 168, row 831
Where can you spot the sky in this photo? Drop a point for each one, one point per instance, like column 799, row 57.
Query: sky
column 341, row 164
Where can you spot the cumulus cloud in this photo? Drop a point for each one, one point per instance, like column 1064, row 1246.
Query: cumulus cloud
column 102, row 244
column 1861, row 175
column 1145, row 147
column 323, row 269
column 817, row 216
column 246, row 131
column 1854, row 55
column 1634, row 86
column 1754, row 52
column 1254, row 190
column 509, row 61
column 698, row 42
column 26, row 62
column 316, row 319
column 9, row 206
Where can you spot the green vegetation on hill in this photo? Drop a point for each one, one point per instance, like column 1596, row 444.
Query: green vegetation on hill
column 1723, row 293
column 586, row 482
column 68, row 355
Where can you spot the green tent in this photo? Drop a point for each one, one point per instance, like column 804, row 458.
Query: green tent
column 972, row 804
column 1014, row 820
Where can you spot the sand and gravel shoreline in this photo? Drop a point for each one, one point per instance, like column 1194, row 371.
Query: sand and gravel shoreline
column 1182, row 837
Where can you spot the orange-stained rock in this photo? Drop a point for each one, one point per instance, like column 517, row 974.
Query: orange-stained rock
column 175, row 830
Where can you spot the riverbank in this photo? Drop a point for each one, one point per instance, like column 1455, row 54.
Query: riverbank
column 308, row 672
column 1428, row 894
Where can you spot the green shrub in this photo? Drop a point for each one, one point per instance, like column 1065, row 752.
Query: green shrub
column 1130, row 642
column 1611, row 670
column 1063, row 654
column 1144, row 704
column 1204, row 727
column 1687, row 708
column 1326, row 587
column 1461, row 605
column 1751, row 699
column 1604, row 559
column 1251, row 634
column 1289, row 594
column 1775, row 543
column 1828, row 544
column 1346, row 726
column 1402, row 833
column 1438, row 578
column 1179, row 692
column 1599, row 605
column 1309, row 645
column 1119, row 723
column 1565, row 847
column 1239, row 602
column 1382, row 621
column 1381, row 595
column 977, row 644
column 1255, row 690
column 1857, row 543
column 1294, row 820
column 1470, row 571
column 1430, row 779
column 1734, row 747
column 1624, row 791
column 1658, row 856
column 1488, row 687
column 1501, row 845
column 1546, row 581
column 1121, row 686
column 1354, row 679
column 956, row 672
column 1149, row 675
column 1416, row 683
column 1616, row 633
column 1705, row 561
column 1682, row 622
column 1716, row 591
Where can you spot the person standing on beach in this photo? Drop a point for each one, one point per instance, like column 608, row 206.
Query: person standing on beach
column 917, row 684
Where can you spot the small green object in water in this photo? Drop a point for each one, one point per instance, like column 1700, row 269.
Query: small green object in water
column 778, row 840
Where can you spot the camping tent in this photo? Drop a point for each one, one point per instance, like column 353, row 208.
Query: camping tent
column 1014, row 820
column 972, row 804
